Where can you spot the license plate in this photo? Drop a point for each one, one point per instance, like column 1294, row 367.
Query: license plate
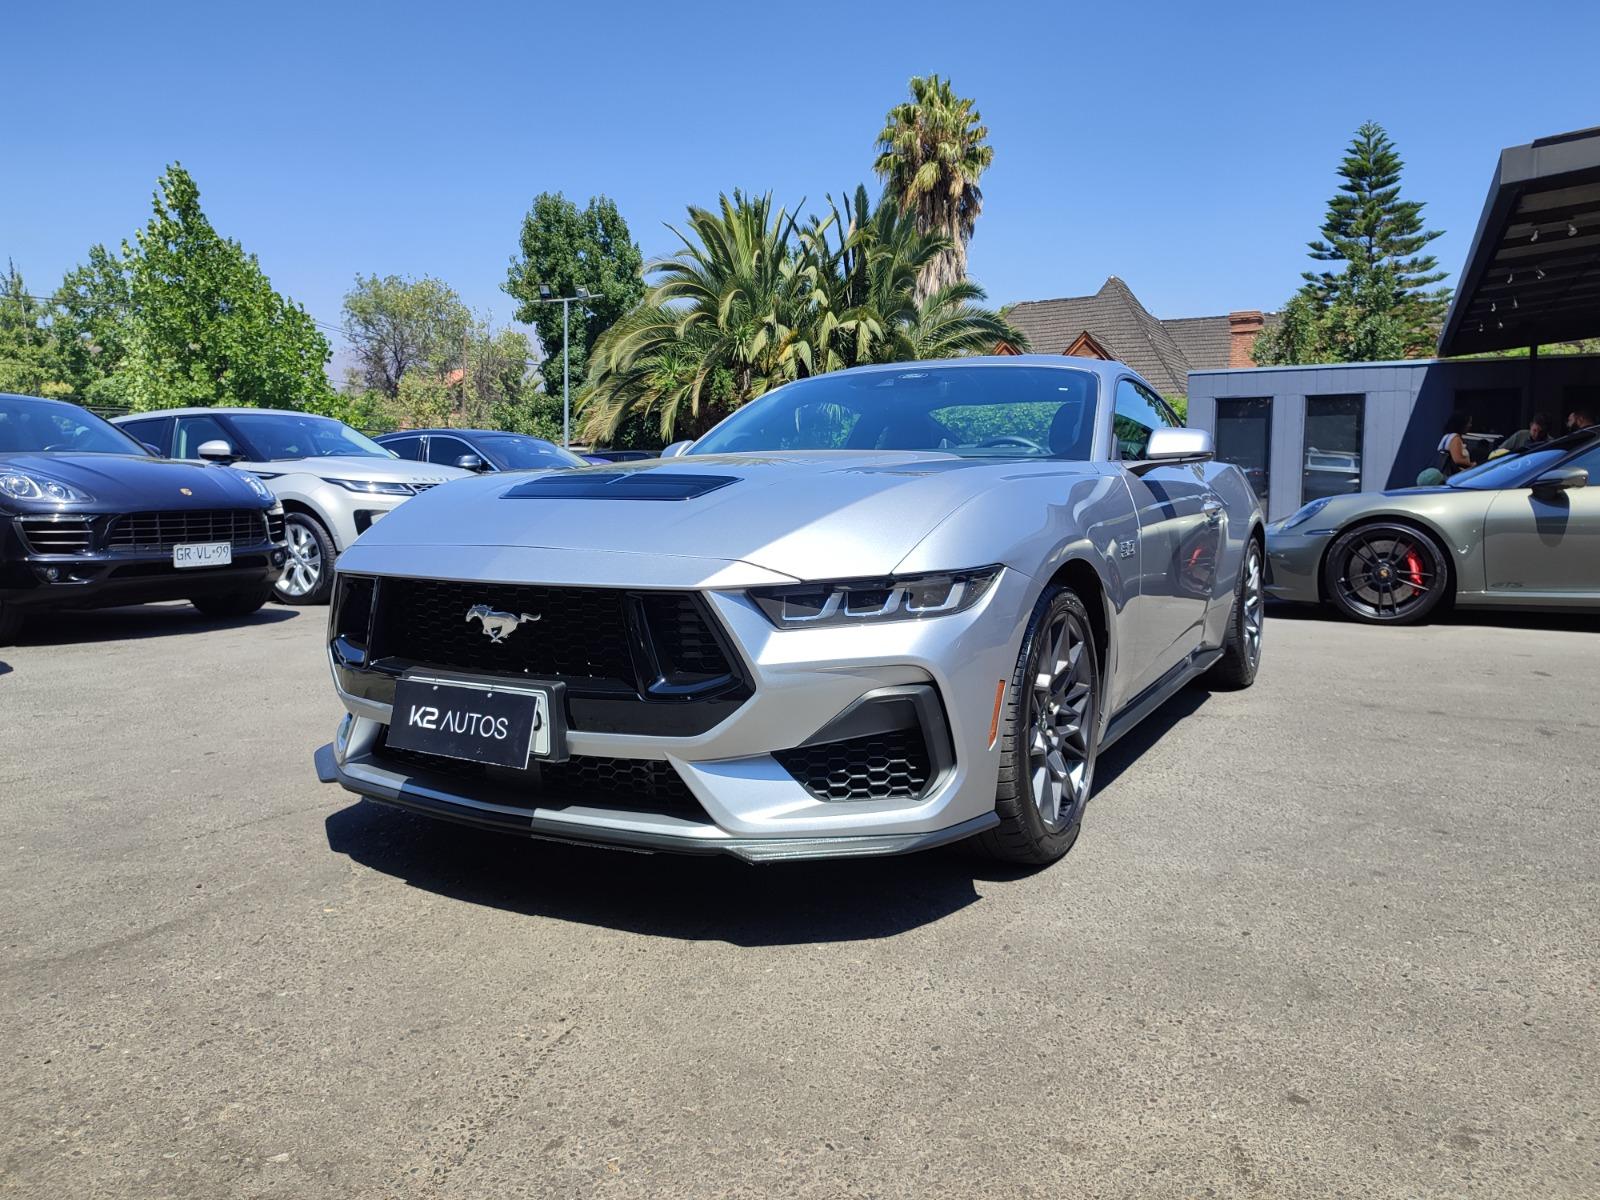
column 202, row 554
column 483, row 721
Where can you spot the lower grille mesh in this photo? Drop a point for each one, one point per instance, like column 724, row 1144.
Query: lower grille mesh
column 634, row 784
column 882, row 766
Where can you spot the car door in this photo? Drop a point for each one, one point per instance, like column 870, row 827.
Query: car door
column 1546, row 542
column 1180, row 530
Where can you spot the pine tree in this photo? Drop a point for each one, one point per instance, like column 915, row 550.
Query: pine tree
column 1378, row 304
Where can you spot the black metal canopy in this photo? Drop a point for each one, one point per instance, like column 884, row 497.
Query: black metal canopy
column 1532, row 276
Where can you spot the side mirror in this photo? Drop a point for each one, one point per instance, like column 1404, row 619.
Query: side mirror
column 155, row 451
column 216, row 450
column 471, row 462
column 677, row 448
column 1561, row 479
column 1173, row 447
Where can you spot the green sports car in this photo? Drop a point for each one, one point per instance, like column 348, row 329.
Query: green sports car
column 1520, row 531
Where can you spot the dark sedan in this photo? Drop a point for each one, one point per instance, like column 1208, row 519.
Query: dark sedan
column 89, row 518
column 479, row 449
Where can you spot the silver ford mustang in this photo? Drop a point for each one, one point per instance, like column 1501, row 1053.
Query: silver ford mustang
column 873, row 611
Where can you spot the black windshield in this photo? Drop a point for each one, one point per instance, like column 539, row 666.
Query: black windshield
column 30, row 426
column 984, row 410
column 512, row 452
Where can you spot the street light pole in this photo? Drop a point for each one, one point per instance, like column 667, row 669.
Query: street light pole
column 547, row 296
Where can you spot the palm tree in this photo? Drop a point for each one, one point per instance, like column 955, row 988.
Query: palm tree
column 931, row 154
column 727, row 320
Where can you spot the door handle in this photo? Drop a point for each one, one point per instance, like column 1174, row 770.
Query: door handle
column 1212, row 509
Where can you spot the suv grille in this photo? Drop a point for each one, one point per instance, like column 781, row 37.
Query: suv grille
column 635, row 784
column 882, row 766
column 164, row 530
column 58, row 535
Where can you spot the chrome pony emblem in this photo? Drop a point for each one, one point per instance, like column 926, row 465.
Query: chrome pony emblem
column 497, row 625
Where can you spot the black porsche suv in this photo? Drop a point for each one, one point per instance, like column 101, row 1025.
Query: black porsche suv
column 90, row 518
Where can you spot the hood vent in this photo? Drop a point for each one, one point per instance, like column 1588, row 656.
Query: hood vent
column 619, row 485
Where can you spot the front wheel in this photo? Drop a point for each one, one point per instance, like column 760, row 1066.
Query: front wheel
column 1241, row 650
column 1050, row 742
column 308, row 579
column 1385, row 574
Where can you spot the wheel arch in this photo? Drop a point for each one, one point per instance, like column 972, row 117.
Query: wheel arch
column 1079, row 574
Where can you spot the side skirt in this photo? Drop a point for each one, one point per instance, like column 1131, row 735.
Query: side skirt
column 1158, row 693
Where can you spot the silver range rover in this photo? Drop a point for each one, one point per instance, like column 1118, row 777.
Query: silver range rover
column 871, row 612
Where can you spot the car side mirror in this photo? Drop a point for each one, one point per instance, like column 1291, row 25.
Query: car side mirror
column 155, row 451
column 677, row 448
column 216, row 450
column 471, row 462
column 1561, row 479
column 1173, row 447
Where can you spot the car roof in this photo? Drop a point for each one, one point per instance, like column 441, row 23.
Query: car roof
column 201, row 410
column 459, row 433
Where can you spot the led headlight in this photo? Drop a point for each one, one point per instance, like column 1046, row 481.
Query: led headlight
column 377, row 487
column 856, row 601
column 37, row 487
column 1305, row 512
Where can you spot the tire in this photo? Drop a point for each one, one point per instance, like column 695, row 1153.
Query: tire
column 308, row 578
column 232, row 604
column 1385, row 573
column 1033, row 830
column 1241, row 649
column 10, row 624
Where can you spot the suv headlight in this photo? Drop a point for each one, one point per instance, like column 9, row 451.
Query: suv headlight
column 854, row 601
column 1305, row 512
column 374, row 487
column 38, row 487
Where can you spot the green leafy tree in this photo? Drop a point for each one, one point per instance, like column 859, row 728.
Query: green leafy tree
column 1376, row 303
column 206, row 326
column 932, row 152
column 565, row 249
column 395, row 325
column 29, row 358
column 93, row 312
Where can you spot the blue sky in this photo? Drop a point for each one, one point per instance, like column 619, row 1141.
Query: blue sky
column 1188, row 148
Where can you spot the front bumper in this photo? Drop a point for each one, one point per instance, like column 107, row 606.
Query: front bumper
column 748, row 803
column 103, row 577
column 1294, row 563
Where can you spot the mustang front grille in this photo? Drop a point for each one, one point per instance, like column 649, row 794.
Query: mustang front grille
column 58, row 535
column 164, row 530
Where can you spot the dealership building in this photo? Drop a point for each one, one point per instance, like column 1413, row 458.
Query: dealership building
column 1531, row 279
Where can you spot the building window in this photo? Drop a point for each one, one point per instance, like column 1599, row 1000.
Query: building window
column 1244, row 438
column 1332, row 464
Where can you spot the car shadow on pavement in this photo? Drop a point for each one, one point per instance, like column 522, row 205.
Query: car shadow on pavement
column 1131, row 747
column 136, row 622
column 692, row 897
column 1489, row 618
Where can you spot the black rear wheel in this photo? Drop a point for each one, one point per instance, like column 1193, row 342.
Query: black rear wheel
column 1385, row 574
column 1048, row 751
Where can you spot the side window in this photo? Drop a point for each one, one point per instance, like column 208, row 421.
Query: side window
column 1589, row 460
column 153, row 430
column 193, row 432
column 405, row 447
column 1136, row 415
column 446, row 450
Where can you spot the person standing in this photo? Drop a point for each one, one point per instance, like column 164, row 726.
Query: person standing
column 1536, row 434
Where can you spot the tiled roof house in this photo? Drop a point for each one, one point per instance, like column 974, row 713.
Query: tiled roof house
column 1112, row 324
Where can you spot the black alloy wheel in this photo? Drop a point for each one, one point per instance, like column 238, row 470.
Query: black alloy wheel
column 1385, row 574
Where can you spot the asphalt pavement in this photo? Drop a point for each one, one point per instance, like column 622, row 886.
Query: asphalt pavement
column 1332, row 936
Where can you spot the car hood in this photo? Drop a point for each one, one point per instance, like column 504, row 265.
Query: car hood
column 123, row 481
column 818, row 515
column 359, row 466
